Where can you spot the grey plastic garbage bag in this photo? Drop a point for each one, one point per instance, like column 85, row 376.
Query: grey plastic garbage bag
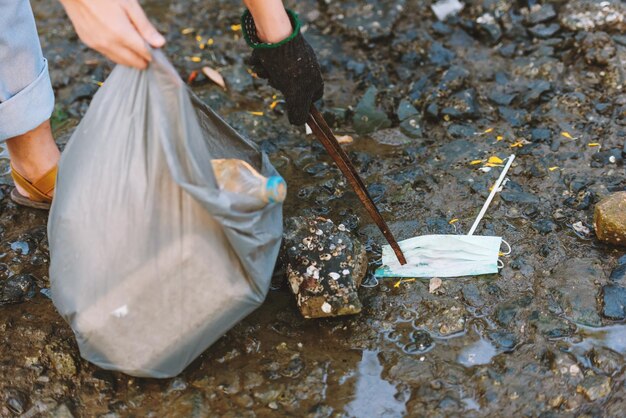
column 150, row 262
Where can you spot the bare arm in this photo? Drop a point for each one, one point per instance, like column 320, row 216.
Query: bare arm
column 271, row 20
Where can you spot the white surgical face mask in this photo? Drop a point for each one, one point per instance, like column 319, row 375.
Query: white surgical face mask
column 443, row 256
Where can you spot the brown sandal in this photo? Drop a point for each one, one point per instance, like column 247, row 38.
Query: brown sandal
column 40, row 191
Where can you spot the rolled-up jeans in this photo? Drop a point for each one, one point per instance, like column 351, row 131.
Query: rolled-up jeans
column 26, row 96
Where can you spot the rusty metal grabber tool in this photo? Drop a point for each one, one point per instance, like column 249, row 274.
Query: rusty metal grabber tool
column 323, row 133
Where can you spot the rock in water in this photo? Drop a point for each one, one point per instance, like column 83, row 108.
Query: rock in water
column 595, row 387
column 572, row 286
column 17, row 288
column 325, row 266
column 610, row 219
column 614, row 301
column 367, row 117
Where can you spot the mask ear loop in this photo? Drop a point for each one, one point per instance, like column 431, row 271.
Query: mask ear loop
column 501, row 254
column 508, row 246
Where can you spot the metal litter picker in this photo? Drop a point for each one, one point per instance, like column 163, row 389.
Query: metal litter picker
column 324, row 134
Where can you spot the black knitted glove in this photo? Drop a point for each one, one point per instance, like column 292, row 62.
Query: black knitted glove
column 290, row 66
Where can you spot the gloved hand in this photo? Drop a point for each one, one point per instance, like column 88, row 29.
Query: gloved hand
column 290, row 66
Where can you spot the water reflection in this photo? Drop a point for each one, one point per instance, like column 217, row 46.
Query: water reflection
column 373, row 396
column 479, row 352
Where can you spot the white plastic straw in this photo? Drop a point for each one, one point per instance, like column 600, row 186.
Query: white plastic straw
column 495, row 189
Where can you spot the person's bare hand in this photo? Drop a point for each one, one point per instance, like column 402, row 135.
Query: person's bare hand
column 118, row 29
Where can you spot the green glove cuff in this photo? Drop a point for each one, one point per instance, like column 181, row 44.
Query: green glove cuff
column 252, row 39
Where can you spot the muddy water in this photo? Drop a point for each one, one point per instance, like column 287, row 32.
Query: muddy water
column 531, row 340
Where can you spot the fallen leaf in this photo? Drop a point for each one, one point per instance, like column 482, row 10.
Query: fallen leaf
column 488, row 131
column 435, row 283
column 567, row 135
column 345, row 139
column 475, row 162
column 455, row 220
column 214, row 76
column 495, row 160
column 399, row 282
column 192, row 77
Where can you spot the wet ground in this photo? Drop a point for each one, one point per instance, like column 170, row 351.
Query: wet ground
column 539, row 339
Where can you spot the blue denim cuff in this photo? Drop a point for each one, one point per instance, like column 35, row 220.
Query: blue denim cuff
column 29, row 108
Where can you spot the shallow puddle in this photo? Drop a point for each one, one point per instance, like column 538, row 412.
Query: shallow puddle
column 373, row 395
column 478, row 352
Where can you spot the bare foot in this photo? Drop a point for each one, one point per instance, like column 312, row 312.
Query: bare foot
column 34, row 153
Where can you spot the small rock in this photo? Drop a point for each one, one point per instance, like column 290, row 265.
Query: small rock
column 462, row 105
column 488, row 25
column 453, row 79
column 590, row 15
column 606, row 360
column 392, row 137
column 501, row 98
column 610, row 219
column 614, row 301
column 619, row 273
column 82, row 91
column 595, row 387
column 544, row 31
column 61, row 361
column 512, row 196
column 443, row 317
column 17, row 288
column 369, row 23
column 367, row 117
column 515, row 117
column 440, row 55
column 62, row 411
column 540, row 13
column 598, row 48
column 573, row 287
column 324, row 269
column 540, row 135
column 422, row 342
column 503, row 340
column 16, row 401
column 544, row 226
column 410, row 119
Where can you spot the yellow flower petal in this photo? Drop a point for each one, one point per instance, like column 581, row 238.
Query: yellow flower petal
column 235, row 28
column 488, row 131
column 453, row 221
column 256, row 113
column 567, row 135
column 594, row 144
column 553, row 168
column 475, row 162
column 499, row 138
column 187, row 31
column 495, row 160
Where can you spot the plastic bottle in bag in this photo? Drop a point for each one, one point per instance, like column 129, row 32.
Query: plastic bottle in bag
column 238, row 176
